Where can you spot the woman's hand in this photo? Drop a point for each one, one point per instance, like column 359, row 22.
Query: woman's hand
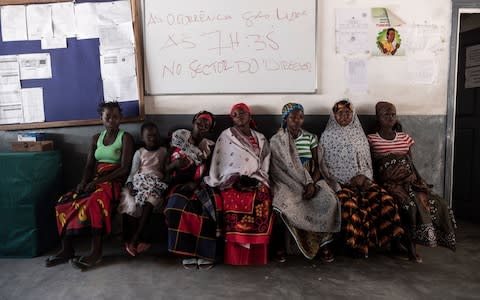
column 90, row 187
column 309, row 191
column 179, row 163
column 245, row 184
column 80, row 187
column 360, row 181
column 187, row 188
column 130, row 189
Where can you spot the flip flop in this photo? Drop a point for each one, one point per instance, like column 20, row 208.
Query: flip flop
column 280, row 257
column 327, row 255
column 189, row 263
column 54, row 260
column 417, row 259
column 80, row 264
column 205, row 264
column 130, row 249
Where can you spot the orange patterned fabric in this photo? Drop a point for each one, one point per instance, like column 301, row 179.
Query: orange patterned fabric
column 89, row 212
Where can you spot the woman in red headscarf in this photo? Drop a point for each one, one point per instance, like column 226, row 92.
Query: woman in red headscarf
column 190, row 211
column 239, row 170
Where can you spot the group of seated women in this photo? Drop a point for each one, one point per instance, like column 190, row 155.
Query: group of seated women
column 293, row 192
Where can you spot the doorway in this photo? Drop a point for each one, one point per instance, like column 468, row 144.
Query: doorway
column 466, row 145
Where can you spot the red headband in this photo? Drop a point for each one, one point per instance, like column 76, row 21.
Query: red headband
column 241, row 106
column 206, row 117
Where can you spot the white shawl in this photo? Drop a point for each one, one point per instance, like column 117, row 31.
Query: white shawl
column 233, row 158
column 346, row 150
column 289, row 177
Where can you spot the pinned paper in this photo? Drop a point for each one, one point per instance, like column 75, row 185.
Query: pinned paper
column 351, row 30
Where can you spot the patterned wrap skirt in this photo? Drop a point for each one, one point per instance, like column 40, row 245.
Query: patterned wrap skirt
column 426, row 216
column 247, row 224
column 192, row 226
column 369, row 218
column 89, row 212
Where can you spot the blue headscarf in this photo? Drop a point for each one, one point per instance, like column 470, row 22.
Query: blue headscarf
column 287, row 110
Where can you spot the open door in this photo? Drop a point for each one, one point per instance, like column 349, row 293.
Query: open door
column 466, row 166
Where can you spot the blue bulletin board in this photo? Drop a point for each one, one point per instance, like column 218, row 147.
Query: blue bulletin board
column 72, row 95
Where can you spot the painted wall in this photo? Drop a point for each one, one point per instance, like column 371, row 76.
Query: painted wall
column 387, row 76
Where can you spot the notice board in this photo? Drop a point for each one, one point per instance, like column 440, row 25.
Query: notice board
column 72, row 94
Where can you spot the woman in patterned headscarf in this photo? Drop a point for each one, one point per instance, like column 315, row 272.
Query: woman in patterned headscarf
column 369, row 215
column 306, row 205
column 426, row 216
column 239, row 169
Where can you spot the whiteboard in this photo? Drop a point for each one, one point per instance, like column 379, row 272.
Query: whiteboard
column 229, row 46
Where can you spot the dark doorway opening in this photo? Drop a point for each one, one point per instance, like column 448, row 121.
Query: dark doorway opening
column 466, row 167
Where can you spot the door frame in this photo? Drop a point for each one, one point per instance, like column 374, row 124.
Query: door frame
column 458, row 8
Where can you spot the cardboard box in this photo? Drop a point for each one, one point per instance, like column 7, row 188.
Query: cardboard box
column 32, row 146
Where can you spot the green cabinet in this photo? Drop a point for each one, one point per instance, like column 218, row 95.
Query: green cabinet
column 30, row 183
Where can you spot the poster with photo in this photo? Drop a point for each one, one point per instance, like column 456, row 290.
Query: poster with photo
column 388, row 28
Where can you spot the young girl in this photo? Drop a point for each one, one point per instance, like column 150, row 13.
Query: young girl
column 145, row 186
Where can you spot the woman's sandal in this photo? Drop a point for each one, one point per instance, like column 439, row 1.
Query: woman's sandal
column 417, row 259
column 142, row 247
column 326, row 255
column 82, row 265
column 280, row 256
column 54, row 260
column 205, row 264
column 190, row 263
column 130, row 249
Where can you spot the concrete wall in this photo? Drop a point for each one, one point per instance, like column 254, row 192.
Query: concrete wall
column 428, row 153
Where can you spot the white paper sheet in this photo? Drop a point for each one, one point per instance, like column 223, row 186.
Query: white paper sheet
column 9, row 73
column 11, row 114
column 63, row 19
column 116, row 12
column 472, row 77
column 116, row 36
column 9, row 80
column 422, row 70
column 117, row 63
column 352, row 30
column 120, row 89
column 39, row 21
column 86, row 21
column 14, row 23
column 32, row 101
column 54, row 42
column 35, row 66
column 10, row 97
column 356, row 75
column 425, row 38
column 473, row 56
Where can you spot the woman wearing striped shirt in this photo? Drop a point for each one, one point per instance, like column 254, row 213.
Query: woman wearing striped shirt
column 305, row 204
column 426, row 217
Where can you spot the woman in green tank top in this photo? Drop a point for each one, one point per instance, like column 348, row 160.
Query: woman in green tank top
column 88, row 208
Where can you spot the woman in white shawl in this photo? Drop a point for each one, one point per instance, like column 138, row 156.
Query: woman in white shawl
column 369, row 215
column 239, row 172
column 306, row 205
